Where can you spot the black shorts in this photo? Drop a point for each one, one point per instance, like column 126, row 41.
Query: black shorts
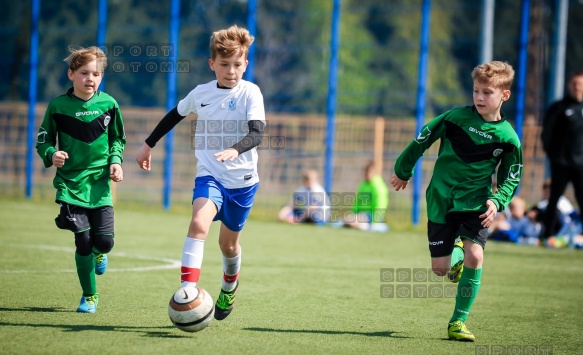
column 79, row 219
column 462, row 224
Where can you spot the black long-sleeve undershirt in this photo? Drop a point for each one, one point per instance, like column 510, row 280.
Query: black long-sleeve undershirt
column 171, row 119
column 252, row 139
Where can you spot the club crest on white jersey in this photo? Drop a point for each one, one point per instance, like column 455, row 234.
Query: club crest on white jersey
column 232, row 105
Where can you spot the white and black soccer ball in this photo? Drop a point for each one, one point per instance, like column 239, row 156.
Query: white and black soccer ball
column 191, row 309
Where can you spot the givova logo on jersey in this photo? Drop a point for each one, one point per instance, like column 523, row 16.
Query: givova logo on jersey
column 515, row 172
column 423, row 135
column 86, row 113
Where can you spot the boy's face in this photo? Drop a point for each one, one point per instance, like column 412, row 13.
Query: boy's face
column 86, row 80
column 229, row 70
column 575, row 87
column 517, row 210
column 488, row 99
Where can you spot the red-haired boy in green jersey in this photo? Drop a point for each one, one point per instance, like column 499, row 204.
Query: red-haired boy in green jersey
column 476, row 142
column 83, row 136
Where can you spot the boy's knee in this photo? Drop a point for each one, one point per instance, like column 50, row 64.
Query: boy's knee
column 103, row 243
column 440, row 266
column 197, row 227
column 474, row 258
column 228, row 249
column 439, row 271
column 83, row 243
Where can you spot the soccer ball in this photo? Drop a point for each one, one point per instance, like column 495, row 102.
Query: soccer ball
column 191, row 309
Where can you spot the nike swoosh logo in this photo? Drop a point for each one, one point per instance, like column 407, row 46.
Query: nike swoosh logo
column 203, row 105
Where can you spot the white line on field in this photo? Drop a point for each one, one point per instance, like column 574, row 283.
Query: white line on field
column 167, row 263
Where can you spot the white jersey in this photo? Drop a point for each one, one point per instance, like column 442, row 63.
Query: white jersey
column 223, row 116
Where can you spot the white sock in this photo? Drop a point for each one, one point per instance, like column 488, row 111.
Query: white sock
column 192, row 254
column 231, row 267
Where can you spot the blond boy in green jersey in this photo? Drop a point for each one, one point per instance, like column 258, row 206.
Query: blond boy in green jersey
column 476, row 142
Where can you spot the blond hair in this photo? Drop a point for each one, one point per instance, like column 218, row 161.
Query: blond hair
column 499, row 74
column 517, row 202
column 78, row 57
column 231, row 41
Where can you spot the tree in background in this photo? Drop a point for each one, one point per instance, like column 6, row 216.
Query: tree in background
column 379, row 50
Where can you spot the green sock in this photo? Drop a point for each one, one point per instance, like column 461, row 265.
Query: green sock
column 86, row 274
column 467, row 291
column 456, row 255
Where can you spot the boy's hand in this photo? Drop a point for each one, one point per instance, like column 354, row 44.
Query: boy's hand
column 115, row 172
column 144, row 157
column 228, row 154
column 398, row 184
column 490, row 214
column 59, row 158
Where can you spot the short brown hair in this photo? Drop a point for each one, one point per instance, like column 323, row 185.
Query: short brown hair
column 78, row 57
column 574, row 73
column 499, row 74
column 227, row 43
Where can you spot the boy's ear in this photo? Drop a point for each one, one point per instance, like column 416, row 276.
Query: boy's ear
column 70, row 74
column 212, row 64
column 505, row 95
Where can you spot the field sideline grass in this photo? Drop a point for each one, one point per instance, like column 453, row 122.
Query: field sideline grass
column 303, row 290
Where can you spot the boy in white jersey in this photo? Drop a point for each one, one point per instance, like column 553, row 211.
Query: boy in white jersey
column 226, row 178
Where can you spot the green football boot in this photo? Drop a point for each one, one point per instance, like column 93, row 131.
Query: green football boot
column 225, row 303
column 458, row 331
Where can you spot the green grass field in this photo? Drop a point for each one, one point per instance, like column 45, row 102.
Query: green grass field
column 304, row 290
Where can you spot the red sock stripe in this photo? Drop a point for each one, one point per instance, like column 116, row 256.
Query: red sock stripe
column 189, row 274
column 230, row 278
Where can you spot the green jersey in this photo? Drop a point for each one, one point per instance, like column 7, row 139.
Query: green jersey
column 470, row 151
column 372, row 197
column 92, row 134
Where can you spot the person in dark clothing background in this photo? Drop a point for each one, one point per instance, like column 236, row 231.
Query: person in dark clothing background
column 562, row 138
